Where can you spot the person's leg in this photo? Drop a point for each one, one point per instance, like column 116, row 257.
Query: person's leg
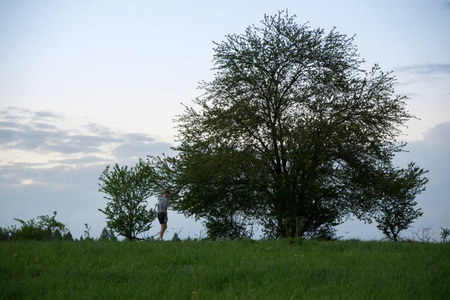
column 161, row 232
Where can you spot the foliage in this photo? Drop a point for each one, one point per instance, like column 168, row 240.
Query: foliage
column 67, row 237
column 44, row 228
column 225, row 270
column 107, row 235
column 8, row 233
column 87, row 234
column 445, row 233
column 325, row 232
column 397, row 212
column 228, row 227
column 291, row 134
column 126, row 190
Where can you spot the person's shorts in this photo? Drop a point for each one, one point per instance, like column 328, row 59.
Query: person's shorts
column 162, row 217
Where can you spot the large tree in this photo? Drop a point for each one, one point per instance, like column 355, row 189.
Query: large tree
column 127, row 190
column 291, row 133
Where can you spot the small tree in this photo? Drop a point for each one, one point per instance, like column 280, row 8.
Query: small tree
column 87, row 233
column 127, row 190
column 68, row 237
column 107, row 235
column 397, row 211
column 445, row 233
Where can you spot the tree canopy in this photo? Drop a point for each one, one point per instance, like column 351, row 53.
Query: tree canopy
column 291, row 134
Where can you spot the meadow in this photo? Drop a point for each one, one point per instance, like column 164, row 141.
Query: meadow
column 285, row 269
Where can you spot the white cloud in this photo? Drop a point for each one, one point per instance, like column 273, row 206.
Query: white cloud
column 41, row 137
column 426, row 69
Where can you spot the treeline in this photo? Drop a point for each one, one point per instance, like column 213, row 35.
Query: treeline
column 46, row 228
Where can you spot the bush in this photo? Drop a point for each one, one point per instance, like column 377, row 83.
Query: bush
column 8, row 233
column 44, row 229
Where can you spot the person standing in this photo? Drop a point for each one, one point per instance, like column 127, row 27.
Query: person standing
column 163, row 204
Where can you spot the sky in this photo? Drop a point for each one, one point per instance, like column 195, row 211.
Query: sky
column 86, row 84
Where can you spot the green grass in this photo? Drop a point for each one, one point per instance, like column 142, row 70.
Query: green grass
column 224, row 270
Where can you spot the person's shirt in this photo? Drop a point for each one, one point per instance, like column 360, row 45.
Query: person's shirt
column 163, row 203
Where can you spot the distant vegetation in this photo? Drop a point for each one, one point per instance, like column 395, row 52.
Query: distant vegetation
column 47, row 228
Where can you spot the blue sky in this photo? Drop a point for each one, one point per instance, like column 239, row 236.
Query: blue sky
column 84, row 84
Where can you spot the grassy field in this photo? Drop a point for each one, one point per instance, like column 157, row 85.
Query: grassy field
column 224, row 270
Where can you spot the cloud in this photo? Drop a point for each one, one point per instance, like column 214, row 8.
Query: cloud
column 426, row 69
column 434, row 149
column 46, row 115
column 13, row 113
column 43, row 133
column 446, row 4
column 37, row 151
column 100, row 129
column 136, row 147
column 39, row 132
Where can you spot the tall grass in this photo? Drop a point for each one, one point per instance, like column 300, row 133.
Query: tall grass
column 225, row 270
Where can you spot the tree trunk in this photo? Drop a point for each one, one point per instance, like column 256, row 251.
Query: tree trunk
column 294, row 226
